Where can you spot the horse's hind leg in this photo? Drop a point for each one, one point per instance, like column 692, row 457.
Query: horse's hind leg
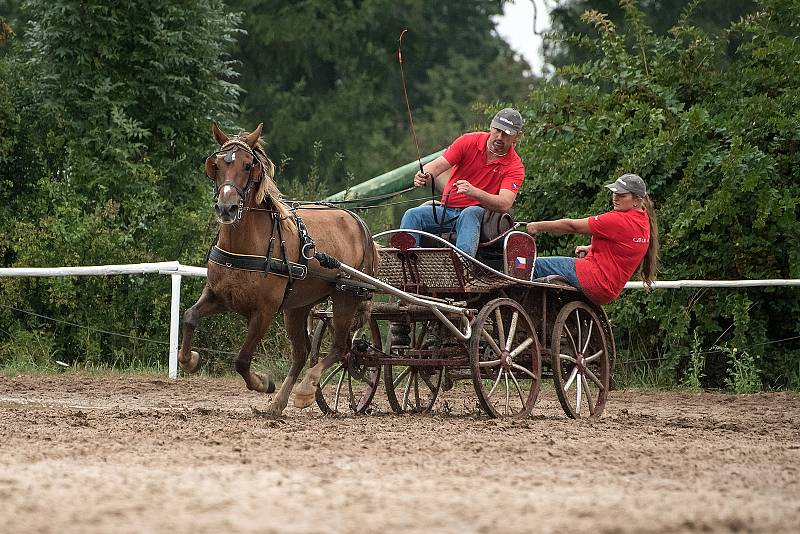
column 207, row 304
column 257, row 324
column 344, row 308
column 297, row 328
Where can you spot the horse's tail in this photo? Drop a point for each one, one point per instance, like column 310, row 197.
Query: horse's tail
column 363, row 312
column 376, row 257
column 371, row 258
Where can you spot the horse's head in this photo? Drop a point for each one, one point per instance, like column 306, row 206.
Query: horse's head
column 235, row 169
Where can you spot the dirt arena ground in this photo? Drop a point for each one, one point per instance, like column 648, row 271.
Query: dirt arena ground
column 82, row 453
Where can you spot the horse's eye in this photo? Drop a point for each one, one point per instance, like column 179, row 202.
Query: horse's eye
column 248, row 166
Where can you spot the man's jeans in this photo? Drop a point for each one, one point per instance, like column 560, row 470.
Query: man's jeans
column 557, row 265
column 465, row 221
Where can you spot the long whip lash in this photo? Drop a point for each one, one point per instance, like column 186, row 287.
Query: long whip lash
column 411, row 122
column 405, row 94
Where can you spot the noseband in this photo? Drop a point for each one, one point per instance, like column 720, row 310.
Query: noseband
column 228, row 150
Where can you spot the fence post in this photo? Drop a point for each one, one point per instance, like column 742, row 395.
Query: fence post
column 174, row 323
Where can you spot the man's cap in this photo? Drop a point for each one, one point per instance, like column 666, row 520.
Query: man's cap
column 629, row 183
column 508, row 120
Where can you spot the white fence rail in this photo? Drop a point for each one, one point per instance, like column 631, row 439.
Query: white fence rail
column 177, row 271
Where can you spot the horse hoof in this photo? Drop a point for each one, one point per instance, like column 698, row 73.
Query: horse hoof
column 303, row 400
column 267, row 385
column 193, row 363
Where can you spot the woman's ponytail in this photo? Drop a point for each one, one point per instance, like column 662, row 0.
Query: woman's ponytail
column 649, row 265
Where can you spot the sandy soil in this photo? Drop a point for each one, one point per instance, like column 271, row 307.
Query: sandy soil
column 85, row 453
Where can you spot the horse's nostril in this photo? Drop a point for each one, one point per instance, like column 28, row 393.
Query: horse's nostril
column 216, row 209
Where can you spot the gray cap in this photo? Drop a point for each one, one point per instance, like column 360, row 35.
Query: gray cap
column 508, row 120
column 629, row 183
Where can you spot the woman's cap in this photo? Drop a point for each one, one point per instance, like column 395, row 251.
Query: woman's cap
column 629, row 183
column 508, row 120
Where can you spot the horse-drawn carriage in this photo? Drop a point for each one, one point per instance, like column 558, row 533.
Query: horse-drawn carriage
column 440, row 316
column 437, row 315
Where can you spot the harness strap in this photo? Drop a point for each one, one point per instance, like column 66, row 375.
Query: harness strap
column 270, row 246
column 288, row 290
column 247, row 262
column 208, row 253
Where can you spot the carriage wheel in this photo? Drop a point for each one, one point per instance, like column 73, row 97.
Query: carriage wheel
column 348, row 385
column 412, row 389
column 505, row 359
column 580, row 360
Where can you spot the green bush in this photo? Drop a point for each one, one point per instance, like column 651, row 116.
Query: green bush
column 104, row 123
column 716, row 137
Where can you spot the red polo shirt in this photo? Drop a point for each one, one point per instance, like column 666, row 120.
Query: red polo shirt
column 619, row 243
column 467, row 156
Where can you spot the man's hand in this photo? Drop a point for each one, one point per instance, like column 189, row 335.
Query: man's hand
column 582, row 250
column 421, row 179
column 466, row 188
column 531, row 228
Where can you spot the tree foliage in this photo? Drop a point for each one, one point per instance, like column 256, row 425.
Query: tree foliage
column 105, row 116
column 327, row 73
column 659, row 15
column 716, row 138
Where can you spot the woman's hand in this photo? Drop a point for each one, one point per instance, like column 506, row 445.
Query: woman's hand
column 582, row 250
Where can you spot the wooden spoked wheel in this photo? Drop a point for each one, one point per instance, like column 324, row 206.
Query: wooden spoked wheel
column 347, row 386
column 413, row 389
column 580, row 360
column 505, row 359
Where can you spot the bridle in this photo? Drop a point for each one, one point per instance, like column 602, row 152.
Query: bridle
column 228, row 151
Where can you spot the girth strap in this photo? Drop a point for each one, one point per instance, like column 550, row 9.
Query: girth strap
column 247, row 262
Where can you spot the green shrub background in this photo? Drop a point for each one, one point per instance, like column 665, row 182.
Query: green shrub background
column 715, row 134
column 103, row 132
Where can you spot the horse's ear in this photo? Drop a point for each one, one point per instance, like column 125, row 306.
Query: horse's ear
column 211, row 168
column 218, row 135
column 252, row 139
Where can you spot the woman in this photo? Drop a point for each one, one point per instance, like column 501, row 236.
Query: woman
column 623, row 241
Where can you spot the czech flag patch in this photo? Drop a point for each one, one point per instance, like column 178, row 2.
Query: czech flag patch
column 520, row 263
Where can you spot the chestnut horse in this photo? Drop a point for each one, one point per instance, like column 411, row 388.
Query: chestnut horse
column 250, row 212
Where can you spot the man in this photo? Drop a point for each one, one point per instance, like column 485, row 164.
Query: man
column 486, row 175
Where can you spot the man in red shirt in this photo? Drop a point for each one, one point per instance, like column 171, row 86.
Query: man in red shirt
column 623, row 241
column 486, row 175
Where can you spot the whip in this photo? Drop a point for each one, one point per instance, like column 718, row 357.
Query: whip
column 411, row 122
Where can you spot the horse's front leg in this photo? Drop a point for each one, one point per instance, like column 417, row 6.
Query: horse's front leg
column 297, row 329
column 207, row 304
column 257, row 325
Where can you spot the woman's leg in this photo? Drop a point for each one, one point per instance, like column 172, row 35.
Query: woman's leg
column 559, row 266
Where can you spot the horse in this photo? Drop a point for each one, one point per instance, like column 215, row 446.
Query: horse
column 256, row 268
